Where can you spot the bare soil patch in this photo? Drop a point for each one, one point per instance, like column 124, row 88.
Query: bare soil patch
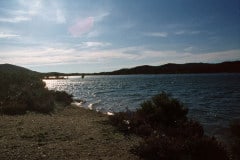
column 72, row 133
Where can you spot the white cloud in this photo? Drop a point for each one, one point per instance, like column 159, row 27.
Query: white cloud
column 156, row 34
column 48, row 11
column 189, row 49
column 101, row 16
column 8, row 35
column 179, row 32
column 30, row 9
column 163, row 57
column 186, row 32
column 81, row 26
column 16, row 19
column 94, row 44
column 60, row 16
column 85, row 26
column 135, row 55
column 93, row 33
column 128, row 25
column 51, row 56
column 228, row 55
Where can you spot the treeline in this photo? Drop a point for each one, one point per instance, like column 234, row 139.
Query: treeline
column 170, row 68
column 225, row 67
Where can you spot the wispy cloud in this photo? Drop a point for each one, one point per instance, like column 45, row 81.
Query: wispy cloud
column 156, row 34
column 94, row 33
column 94, row 44
column 60, row 18
column 188, row 49
column 85, row 25
column 81, row 26
column 136, row 55
column 32, row 9
column 211, row 57
column 186, row 57
column 101, row 16
column 182, row 32
column 128, row 25
column 16, row 19
column 56, row 56
column 8, row 35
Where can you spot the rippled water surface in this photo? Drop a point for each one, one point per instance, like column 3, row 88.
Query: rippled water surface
column 213, row 99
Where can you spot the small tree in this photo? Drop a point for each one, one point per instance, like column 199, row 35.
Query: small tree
column 163, row 111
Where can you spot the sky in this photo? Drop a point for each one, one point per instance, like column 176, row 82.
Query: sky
column 105, row 35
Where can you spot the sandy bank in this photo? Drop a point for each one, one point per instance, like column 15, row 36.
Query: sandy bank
column 73, row 133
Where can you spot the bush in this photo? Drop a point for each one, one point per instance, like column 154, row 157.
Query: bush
column 174, row 148
column 21, row 92
column 12, row 108
column 206, row 148
column 235, row 128
column 163, row 111
column 188, row 129
column 161, row 147
column 235, row 146
column 122, row 121
column 158, row 114
column 167, row 133
column 41, row 100
column 63, row 97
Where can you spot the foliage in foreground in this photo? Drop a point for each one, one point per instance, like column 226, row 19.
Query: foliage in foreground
column 22, row 92
column 235, row 133
column 167, row 132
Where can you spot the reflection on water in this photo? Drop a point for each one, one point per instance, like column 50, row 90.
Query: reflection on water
column 213, row 99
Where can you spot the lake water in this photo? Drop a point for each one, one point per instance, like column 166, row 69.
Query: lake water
column 212, row 99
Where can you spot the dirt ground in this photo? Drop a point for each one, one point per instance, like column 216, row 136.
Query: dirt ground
column 71, row 134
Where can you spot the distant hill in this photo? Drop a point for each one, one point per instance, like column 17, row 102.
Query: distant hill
column 12, row 69
column 171, row 68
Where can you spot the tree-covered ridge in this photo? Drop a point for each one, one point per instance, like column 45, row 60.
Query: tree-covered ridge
column 171, row 68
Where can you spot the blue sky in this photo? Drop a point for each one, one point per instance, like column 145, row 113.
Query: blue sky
column 105, row 35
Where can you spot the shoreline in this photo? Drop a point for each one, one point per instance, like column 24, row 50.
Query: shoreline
column 72, row 133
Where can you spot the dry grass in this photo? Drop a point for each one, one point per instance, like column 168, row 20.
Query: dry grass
column 73, row 133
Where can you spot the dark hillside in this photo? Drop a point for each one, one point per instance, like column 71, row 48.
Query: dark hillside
column 23, row 90
column 12, row 69
column 171, row 68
